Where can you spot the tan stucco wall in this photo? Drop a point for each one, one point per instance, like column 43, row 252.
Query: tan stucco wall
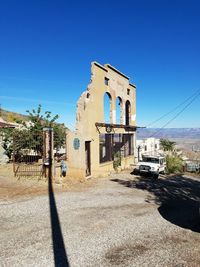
column 90, row 109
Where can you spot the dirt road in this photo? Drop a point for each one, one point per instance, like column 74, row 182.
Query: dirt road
column 120, row 220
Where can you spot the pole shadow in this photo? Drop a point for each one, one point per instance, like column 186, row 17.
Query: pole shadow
column 178, row 198
column 60, row 255
column 59, row 251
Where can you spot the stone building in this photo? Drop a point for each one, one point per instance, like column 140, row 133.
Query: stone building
column 97, row 146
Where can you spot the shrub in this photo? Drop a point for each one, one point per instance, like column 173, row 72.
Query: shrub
column 174, row 164
column 116, row 160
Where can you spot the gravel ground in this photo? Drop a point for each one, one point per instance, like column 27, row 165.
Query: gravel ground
column 120, row 221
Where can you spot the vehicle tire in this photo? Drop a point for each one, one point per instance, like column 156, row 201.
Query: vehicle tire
column 135, row 172
column 165, row 171
column 155, row 176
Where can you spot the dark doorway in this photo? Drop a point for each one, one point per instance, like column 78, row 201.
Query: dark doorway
column 87, row 159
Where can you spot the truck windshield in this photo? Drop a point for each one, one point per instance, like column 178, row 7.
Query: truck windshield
column 152, row 160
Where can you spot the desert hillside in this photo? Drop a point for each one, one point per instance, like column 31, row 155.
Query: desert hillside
column 10, row 116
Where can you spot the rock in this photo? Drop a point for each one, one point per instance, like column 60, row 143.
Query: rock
column 3, row 157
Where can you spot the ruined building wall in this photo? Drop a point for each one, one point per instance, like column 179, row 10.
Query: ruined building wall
column 90, row 109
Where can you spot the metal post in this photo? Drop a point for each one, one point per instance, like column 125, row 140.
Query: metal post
column 138, row 148
column 48, row 159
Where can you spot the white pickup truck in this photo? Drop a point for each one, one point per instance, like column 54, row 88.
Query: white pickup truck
column 151, row 165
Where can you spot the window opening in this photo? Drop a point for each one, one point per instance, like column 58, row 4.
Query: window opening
column 106, row 81
column 118, row 110
column 128, row 111
column 107, row 108
column 111, row 145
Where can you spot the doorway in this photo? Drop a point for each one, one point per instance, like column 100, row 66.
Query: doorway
column 87, row 159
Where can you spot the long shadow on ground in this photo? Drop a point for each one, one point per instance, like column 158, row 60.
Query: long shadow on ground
column 60, row 255
column 59, row 252
column 178, row 197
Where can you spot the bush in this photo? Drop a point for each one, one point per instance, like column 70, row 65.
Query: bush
column 116, row 160
column 174, row 164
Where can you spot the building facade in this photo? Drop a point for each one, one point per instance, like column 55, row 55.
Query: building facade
column 100, row 144
column 148, row 146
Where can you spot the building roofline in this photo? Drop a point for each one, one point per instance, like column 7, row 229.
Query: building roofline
column 112, row 68
column 116, row 70
column 99, row 65
column 133, row 85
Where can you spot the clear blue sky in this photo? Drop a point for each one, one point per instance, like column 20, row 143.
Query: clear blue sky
column 46, row 48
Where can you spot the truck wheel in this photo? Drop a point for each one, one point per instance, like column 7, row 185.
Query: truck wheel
column 164, row 172
column 155, row 176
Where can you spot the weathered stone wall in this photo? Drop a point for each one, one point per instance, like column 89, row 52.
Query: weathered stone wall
column 90, row 109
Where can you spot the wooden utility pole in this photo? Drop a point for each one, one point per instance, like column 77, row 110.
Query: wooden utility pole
column 48, row 152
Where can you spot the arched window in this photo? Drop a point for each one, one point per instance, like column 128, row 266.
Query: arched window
column 128, row 112
column 107, row 107
column 118, row 110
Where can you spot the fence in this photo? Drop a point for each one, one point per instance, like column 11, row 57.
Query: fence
column 33, row 153
column 192, row 166
column 28, row 153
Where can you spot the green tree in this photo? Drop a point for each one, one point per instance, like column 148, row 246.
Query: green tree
column 38, row 121
column 167, row 145
column 31, row 136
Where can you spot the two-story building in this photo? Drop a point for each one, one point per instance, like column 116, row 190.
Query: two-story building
column 100, row 144
column 148, row 146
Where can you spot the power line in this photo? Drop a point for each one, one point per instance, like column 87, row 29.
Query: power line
column 196, row 93
column 183, row 109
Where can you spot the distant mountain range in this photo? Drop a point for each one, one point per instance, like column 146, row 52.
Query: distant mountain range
column 186, row 133
column 167, row 133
